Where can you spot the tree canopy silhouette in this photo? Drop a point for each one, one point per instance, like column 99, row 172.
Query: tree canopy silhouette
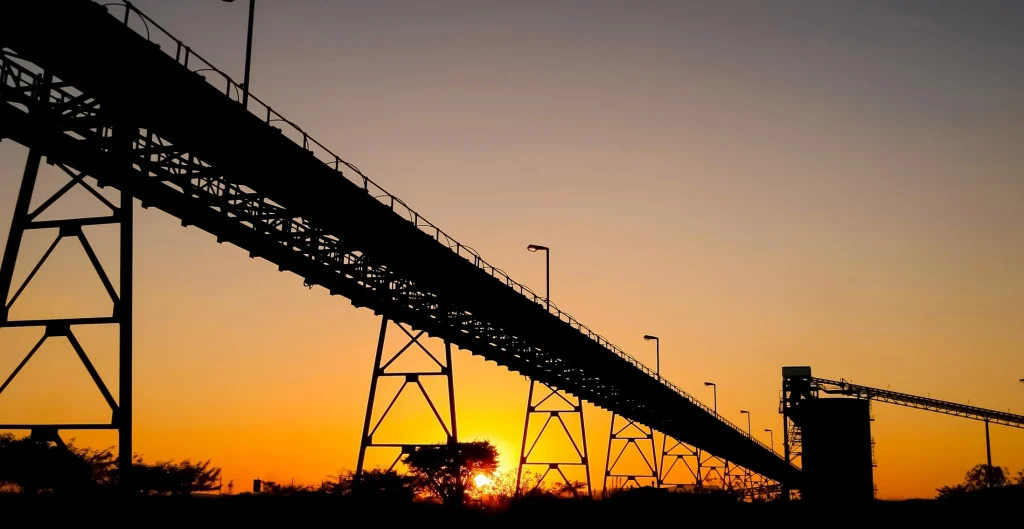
column 387, row 485
column 978, row 478
column 34, row 465
column 447, row 470
column 176, row 479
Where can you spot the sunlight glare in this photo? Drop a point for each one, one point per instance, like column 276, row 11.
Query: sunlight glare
column 481, row 481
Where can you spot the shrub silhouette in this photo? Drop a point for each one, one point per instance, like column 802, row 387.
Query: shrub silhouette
column 175, row 479
column 35, row 466
column 978, row 478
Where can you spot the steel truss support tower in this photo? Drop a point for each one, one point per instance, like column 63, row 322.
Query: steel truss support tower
column 717, row 470
column 796, row 391
column 680, row 465
column 626, row 436
column 385, row 367
column 69, row 230
column 688, row 467
column 554, row 406
column 747, row 484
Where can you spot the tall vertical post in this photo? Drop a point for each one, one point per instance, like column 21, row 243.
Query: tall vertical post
column 364, row 439
column 124, row 313
column 526, row 431
column 547, row 277
column 988, row 454
column 785, row 438
column 248, row 55
column 21, row 219
column 454, row 438
column 547, row 271
column 124, row 135
column 17, row 233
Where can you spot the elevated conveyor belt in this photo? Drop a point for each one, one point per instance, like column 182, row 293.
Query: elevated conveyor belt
column 842, row 387
column 119, row 99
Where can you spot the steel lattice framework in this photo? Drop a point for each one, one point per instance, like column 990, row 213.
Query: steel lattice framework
column 138, row 110
column 842, row 387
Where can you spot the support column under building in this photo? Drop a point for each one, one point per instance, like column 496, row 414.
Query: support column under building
column 385, row 367
column 554, row 406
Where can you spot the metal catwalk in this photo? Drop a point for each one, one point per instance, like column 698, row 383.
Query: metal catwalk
column 122, row 101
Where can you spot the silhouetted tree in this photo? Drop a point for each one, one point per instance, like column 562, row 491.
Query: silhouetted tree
column 380, row 484
column 446, row 471
column 177, row 479
column 977, row 478
column 503, row 485
column 983, row 476
column 33, row 466
column 272, row 488
column 102, row 463
column 572, row 489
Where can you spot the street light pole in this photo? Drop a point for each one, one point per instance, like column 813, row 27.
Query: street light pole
column 748, row 422
column 657, row 353
column 715, row 389
column 547, row 270
column 248, row 53
column 771, row 435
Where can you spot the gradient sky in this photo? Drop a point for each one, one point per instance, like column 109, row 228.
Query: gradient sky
column 834, row 184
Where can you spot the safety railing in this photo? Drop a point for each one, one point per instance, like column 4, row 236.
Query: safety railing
column 188, row 58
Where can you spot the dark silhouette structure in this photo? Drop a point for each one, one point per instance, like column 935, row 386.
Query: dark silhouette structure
column 837, row 450
column 832, row 436
column 384, row 367
column 34, row 94
column 626, row 437
column 555, row 408
column 119, row 101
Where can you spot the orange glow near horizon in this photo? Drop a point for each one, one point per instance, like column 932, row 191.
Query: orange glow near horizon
column 481, row 481
column 768, row 192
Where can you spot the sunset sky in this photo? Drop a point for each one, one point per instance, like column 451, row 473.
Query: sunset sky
column 825, row 183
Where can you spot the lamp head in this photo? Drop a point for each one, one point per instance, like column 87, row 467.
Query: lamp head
column 745, row 411
column 767, row 429
column 709, row 383
column 537, row 248
column 648, row 337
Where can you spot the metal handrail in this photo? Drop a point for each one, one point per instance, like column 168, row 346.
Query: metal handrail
column 188, row 58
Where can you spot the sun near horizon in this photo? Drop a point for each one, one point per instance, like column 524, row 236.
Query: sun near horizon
column 785, row 184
